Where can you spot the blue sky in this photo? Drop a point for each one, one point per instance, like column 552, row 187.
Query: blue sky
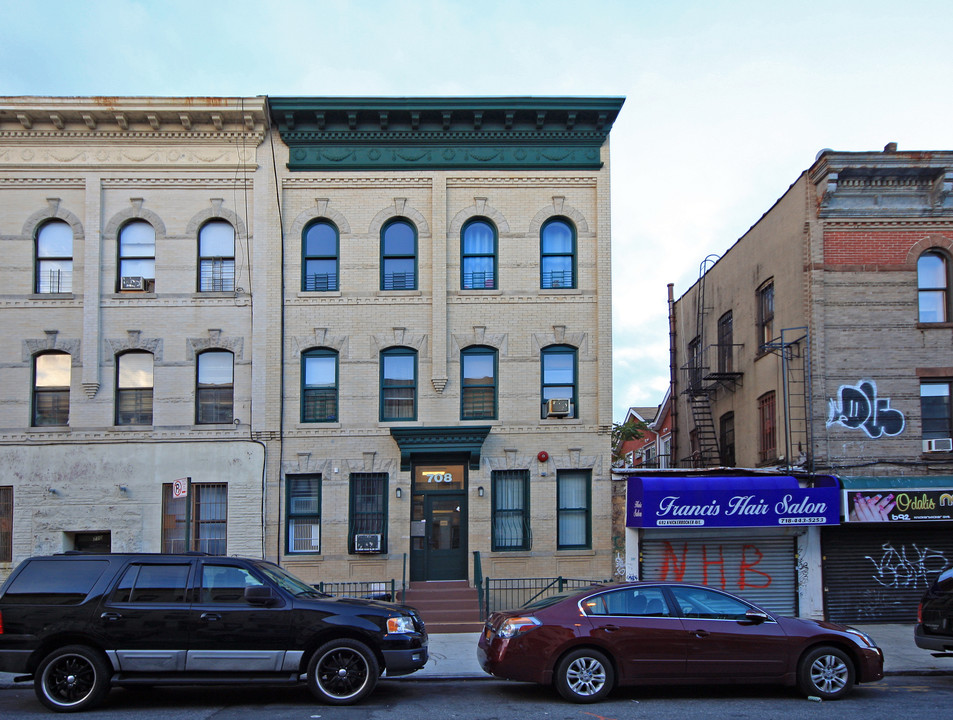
column 727, row 102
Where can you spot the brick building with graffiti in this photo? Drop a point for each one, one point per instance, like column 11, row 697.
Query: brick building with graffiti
column 817, row 352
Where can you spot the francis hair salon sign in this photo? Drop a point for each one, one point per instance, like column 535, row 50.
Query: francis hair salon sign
column 746, row 501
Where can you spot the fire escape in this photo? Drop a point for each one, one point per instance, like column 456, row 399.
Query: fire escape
column 794, row 349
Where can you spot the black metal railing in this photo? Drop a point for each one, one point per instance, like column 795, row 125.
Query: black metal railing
column 375, row 589
column 508, row 594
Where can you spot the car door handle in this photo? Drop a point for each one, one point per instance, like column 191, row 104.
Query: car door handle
column 700, row 633
column 611, row 628
column 211, row 617
column 110, row 616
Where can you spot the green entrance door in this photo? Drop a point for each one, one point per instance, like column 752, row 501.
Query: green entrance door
column 438, row 545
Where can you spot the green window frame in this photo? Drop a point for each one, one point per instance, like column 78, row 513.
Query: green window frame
column 478, row 383
column 137, row 254
column 214, row 387
column 398, row 256
column 573, row 513
column 319, row 386
column 51, row 389
column 478, row 252
column 303, row 514
column 557, row 254
column 398, row 384
column 510, row 520
column 6, row 523
column 320, row 257
column 368, row 509
column 54, row 258
column 134, row 388
column 217, row 257
column 559, row 376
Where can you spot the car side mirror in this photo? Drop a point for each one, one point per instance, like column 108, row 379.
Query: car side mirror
column 756, row 617
column 260, row 595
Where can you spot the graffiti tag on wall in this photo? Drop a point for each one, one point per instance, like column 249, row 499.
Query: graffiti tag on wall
column 715, row 569
column 908, row 569
column 857, row 407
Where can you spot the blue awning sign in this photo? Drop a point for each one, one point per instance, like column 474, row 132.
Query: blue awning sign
column 731, row 501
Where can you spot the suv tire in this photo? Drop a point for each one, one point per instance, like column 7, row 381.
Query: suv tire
column 72, row 678
column 342, row 672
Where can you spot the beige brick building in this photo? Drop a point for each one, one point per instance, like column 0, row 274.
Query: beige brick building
column 373, row 333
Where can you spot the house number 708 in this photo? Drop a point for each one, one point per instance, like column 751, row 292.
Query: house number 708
column 439, row 477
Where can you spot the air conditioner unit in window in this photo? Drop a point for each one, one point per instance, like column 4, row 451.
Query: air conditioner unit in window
column 558, row 407
column 367, row 542
column 938, row 445
column 131, row 282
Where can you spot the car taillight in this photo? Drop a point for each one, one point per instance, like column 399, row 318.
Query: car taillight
column 919, row 614
column 1, row 623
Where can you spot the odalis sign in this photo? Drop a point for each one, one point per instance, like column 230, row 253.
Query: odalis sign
column 738, row 502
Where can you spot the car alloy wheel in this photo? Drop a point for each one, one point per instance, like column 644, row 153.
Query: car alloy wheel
column 72, row 678
column 342, row 672
column 826, row 672
column 584, row 676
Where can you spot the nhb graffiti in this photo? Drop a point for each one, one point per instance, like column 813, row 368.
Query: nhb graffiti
column 857, row 407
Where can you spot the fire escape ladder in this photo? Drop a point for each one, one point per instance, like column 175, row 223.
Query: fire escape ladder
column 707, row 453
column 794, row 349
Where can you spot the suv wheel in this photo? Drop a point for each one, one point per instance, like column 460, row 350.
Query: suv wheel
column 826, row 672
column 342, row 672
column 72, row 678
column 584, row 676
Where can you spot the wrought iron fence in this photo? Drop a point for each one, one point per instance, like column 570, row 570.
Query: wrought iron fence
column 377, row 590
column 508, row 594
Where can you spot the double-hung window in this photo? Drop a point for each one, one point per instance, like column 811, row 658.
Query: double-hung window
column 478, row 256
column 51, row 381
column 768, row 436
column 134, row 383
column 368, row 516
column 217, row 257
column 557, row 241
column 319, row 246
column 214, row 392
column 478, row 383
column 559, row 377
column 573, row 518
column 936, row 414
column 765, row 315
column 398, row 384
column 933, row 287
column 726, row 345
column 137, row 256
column 304, row 513
column 398, row 256
column 510, row 520
column 319, row 386
column 208, row 519
column 726, row 438
column 54, row 258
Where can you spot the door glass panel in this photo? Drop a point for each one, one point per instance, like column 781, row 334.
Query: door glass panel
column 445, row 529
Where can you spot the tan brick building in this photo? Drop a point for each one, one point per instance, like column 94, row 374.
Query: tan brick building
column 820, row 343
column 373, row 333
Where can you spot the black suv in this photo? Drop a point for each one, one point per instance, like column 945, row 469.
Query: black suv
column 78, row 624
column 934, row 629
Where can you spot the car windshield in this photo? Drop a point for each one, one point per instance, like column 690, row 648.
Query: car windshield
column 288, row 582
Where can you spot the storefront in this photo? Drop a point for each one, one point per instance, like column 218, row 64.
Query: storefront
column 745, row 534
column 896, row 538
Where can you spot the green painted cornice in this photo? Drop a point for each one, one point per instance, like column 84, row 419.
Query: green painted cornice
column 503, row 133
column 440, row 440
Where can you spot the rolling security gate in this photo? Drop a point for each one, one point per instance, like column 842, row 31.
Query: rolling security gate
column 758, row 566
column 879, row 573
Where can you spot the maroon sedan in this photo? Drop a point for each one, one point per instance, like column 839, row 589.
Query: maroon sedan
column 643, row 633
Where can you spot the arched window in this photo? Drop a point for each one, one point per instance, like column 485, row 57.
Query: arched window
column 319, row 248
column 319, row 386
column 478, row 242
column 54, row 258
column 398, row 256
column 217, row 257
column 933, row 285
column 559, row 381
column 214, row 390
column 51, row 381
column 137, row 256
column 478, row 383
column 134, row 383
column 557, row 248
column 398, row 384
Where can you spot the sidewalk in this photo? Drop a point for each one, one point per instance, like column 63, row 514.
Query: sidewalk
column 453, row 656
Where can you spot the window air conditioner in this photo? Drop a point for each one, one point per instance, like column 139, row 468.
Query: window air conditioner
column 367, row 542
column 938, row 445
column 131, row 282
column 558, row 407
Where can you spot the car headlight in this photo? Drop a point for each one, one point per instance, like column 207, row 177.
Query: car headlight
column 518, row 625
column 864, row 637
column 400, row 624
